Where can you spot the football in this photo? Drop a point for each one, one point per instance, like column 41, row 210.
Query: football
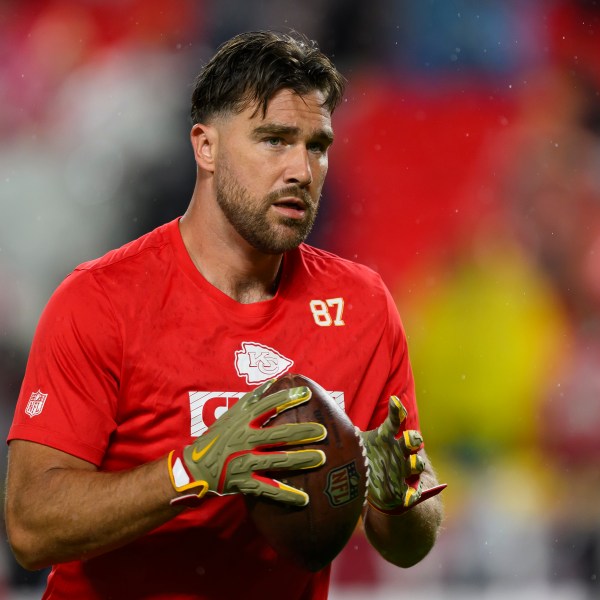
column 313, row 535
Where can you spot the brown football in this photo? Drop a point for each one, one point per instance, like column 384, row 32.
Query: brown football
column 313, row 535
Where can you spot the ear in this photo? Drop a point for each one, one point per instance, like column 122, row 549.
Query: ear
column 204, row 141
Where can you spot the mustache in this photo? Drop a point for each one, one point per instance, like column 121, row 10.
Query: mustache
column 291, row 191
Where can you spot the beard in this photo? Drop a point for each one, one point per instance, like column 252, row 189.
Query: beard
column 249, row 215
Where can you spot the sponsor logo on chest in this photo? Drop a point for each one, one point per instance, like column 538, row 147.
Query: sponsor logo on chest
column 254, row 362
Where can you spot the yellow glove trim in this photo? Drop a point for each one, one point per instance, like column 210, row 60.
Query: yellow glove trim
column 288, row 488
column 410, row 492
column 193, row 484
column 398, row 403
column 408, row 443
column 293, row 402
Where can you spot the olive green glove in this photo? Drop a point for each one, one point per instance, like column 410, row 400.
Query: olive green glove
column 395, row 466
column 235, row 451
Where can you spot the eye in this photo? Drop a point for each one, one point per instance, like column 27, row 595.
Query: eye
column 316, row 147
column 273, row 141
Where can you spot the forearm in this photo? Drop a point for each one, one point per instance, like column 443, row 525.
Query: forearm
column 406, row 539
column 61, row 508
column 66, row 514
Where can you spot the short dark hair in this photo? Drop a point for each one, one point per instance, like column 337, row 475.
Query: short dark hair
column 251, row 67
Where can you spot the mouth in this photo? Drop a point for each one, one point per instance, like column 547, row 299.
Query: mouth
column 291, row 207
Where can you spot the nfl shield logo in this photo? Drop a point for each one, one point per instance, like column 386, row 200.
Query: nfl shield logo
column 342, row 485
column 36, row 403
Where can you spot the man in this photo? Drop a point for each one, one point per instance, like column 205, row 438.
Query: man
column 121, row 475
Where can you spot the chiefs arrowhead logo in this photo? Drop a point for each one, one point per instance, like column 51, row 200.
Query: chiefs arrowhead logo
column 258, row 363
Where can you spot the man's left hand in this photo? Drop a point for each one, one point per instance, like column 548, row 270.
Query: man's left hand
column 395, row 466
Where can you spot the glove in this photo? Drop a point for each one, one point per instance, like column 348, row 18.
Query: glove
column 394, row 465
column 233, row 452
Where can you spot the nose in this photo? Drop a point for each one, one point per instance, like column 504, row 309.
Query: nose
column 298, row 171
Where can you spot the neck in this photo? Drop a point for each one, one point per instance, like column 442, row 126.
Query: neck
column 250, row 289
column 231, row 265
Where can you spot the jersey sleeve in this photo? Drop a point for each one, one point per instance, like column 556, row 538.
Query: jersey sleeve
column 400, row 381
column 68, row 398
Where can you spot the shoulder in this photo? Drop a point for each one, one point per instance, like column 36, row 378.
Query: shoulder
column 359, row 286
column 328, row 270
column 318, row 261
column 117, row 274
column 145, row 249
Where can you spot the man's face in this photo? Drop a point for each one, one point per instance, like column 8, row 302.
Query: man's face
column 269, row 171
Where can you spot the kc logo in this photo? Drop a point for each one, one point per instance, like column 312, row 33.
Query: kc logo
column 257, row 363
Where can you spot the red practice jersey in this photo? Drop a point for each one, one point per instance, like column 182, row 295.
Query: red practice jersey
column 137, row 354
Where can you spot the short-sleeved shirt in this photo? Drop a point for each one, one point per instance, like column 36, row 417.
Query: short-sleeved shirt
column 137, row 354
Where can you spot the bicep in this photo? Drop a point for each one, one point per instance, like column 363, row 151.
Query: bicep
column 69, row 395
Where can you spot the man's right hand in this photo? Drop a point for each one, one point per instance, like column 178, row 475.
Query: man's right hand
column 236, row 450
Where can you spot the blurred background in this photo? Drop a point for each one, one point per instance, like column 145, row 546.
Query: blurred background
column 466, row 170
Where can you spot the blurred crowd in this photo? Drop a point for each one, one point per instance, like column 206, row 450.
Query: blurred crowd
column 466, row 170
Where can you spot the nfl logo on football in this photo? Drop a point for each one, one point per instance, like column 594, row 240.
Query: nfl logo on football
column 36, row 403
